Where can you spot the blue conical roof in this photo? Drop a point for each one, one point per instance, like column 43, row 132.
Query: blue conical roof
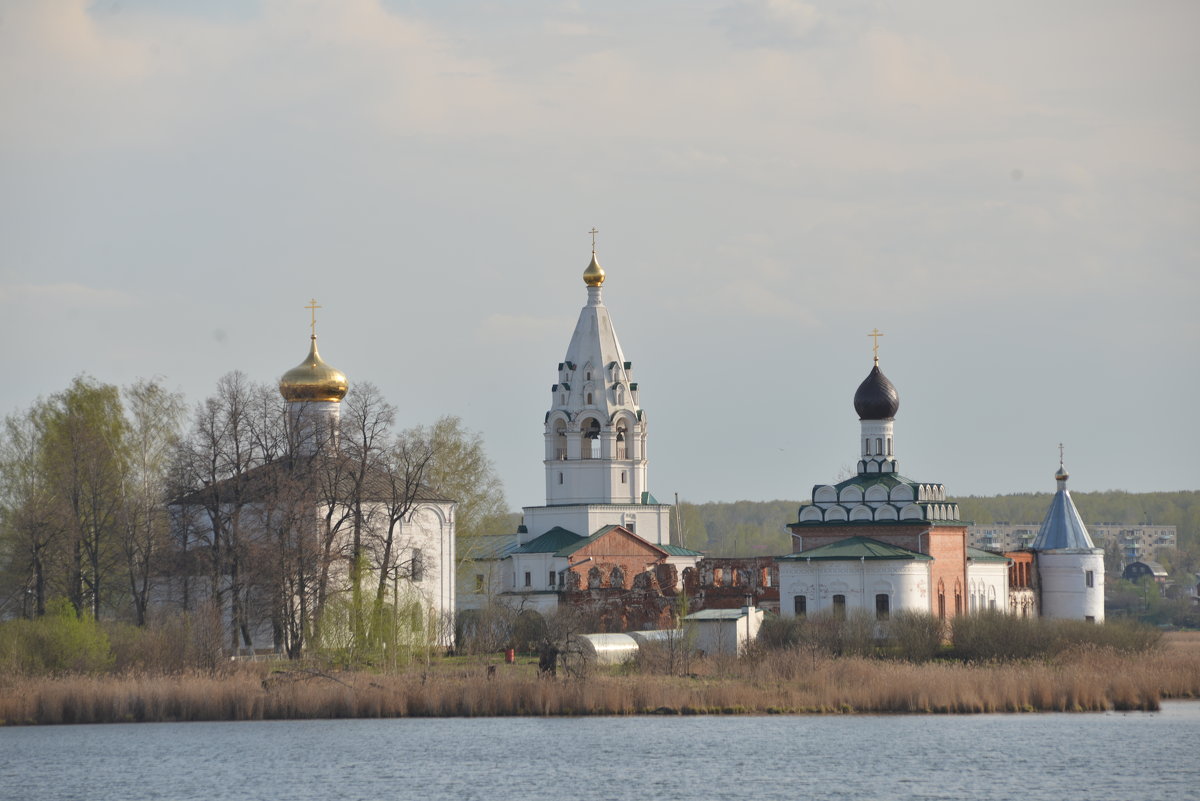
column 1063, row 528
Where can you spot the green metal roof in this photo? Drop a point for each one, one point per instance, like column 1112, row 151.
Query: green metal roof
column 980, row 555
column 716, row 614
column 675, row 550
column 855, row 548
column 649, row 500
column 553, row 540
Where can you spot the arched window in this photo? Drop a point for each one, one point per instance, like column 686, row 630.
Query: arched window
column 866, row 447
column 889, row 453
column 879, row 446
column 621, row 441
column 591, row 437
column 589, row 399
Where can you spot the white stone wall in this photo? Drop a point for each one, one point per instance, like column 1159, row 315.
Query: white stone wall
column 987, row 587
column 1063, row 577
column 905, row 582
column 650, row 522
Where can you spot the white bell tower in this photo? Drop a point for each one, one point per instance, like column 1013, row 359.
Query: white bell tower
column 595, row 436
column 595, row 429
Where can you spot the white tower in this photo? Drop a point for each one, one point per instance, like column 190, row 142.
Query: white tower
column 595, row 435
column 1070, row 567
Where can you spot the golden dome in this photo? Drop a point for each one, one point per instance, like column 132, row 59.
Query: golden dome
column 594, row 274
column 313, row 380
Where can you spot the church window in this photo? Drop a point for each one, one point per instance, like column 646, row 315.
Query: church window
column 866, row 447
column 622, row 476
column 588, row 377
column 552, row 577
column 528, row 579
column 560, row 478
column 619, row 393
column 879, row 446
column 882, row 606
column 839, row 607
column 621, row 444
column 418, row 564
column 589, row 399
column 889, row 453
column 800, row 605
column 478, row 582
column 1089, row 579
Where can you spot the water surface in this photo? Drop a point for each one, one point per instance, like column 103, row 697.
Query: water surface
column 1033, row 757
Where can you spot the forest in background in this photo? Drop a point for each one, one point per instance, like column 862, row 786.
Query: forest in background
column 756, row 528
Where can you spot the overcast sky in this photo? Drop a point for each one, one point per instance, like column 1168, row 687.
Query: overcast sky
column 1009, row 191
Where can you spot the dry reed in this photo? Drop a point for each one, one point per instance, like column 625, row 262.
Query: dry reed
column 792, row 681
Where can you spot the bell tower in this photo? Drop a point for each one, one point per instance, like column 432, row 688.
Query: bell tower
column 595, row 430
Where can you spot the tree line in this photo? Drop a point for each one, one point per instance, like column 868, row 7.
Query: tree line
column 115, row 499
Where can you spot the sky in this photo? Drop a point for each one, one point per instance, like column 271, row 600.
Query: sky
column 1010, row 192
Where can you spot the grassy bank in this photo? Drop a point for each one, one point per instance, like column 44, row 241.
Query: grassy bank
column 790, row 682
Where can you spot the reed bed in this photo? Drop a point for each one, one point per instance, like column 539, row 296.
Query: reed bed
column 778, row 682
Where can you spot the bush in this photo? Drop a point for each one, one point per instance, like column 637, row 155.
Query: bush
column 993, row 636
column 59, row 642
column 853, row 635
column 915, row 636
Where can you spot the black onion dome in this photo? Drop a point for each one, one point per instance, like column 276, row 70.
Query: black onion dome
column 876, row 398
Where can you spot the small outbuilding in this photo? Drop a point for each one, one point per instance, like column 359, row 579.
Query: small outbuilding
column 725, row 631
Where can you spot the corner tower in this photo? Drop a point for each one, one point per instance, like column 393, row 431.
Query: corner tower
column 1070, row 567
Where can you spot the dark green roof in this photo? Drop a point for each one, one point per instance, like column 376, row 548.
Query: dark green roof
column 553, row 540
column 855, row 548
column 649, row 500
column 675, row 550
column 980, row 555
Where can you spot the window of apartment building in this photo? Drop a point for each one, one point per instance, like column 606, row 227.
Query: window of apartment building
column 883, row 606
column 839, row 607
column 800, row 605
column 528, row 579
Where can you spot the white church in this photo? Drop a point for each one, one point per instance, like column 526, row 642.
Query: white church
column 882, row 542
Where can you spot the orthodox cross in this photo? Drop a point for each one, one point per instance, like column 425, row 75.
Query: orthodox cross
column 312, row 307
column 593, row 232
column 876, row 335
column 1060, row 454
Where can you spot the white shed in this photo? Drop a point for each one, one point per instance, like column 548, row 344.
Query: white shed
column 725, row 631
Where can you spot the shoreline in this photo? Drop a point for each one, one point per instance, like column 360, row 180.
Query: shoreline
column 778, row 683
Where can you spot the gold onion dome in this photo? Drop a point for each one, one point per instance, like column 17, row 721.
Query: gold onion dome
column 594, row 274
column 313, row 380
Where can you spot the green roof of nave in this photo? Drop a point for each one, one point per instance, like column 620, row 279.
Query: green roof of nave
column 855, row 548
column 552, row 541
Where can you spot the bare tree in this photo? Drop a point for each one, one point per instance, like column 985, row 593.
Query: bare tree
column 155, row 419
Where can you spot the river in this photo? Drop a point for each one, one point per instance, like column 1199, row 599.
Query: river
column 1056, row 757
